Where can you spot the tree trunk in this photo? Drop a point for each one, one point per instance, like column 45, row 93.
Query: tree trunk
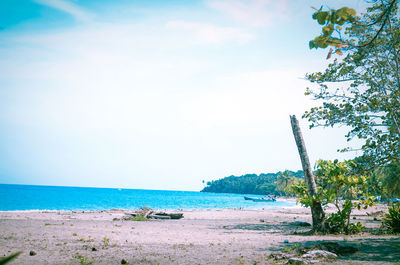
column 318, row 214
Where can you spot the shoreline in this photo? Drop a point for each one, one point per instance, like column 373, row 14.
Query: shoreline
column 256, row 207
column 223, row 236
column 155, row 209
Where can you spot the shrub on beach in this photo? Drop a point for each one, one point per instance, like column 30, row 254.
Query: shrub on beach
column 337, row 185
column 139, row 218
column 391, row 220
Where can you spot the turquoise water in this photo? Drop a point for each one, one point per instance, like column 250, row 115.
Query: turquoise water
column 28, row 197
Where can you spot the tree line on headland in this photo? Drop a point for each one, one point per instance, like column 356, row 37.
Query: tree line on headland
column 383, row 181
column 263, row 184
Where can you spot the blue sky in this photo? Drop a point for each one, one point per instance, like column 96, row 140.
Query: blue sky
column 156, row 94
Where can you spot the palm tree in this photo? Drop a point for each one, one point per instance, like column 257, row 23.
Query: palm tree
column 283, row 180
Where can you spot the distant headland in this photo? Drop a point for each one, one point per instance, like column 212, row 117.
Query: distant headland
column 265, row 183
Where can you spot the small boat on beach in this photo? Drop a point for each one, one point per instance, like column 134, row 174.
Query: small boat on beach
column 269, row 199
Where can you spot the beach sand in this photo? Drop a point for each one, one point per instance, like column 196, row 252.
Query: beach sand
column 228, row 236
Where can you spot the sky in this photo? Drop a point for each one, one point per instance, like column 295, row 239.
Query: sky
column 156, row 94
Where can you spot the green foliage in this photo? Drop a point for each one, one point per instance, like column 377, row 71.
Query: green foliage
column 362, row 89
column 83, row 260
column 338, row 185
column 388, row 178
column 106, row 241
column 337, row 223
column 392, row 220
column 9, row 258
column 299, row 188
column 332, row 22
column 337, row 181
column 139, row 218
column 383, row 181
column 271, row 183
column 284, row 180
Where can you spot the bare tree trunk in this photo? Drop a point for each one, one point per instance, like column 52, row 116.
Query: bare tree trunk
column 318, row 214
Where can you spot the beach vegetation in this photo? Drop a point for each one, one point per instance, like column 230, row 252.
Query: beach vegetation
column 239, row 260
column 391, row 220
column 144, row 260
column 287, row 249
column 106, row 241
column 139, row 218
column 182, row 247
column 387, row 180
column 84, row 260
column 89, row 239
column 338, row 185
column 10, row 236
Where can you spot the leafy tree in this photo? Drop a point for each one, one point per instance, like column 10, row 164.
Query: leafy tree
column 361, row 89
column 338, row 186
column 283, row 180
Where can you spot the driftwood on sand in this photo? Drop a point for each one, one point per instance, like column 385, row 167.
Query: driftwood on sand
column 150, row 214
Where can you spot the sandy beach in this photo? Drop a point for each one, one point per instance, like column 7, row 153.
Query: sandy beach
column 228, row 236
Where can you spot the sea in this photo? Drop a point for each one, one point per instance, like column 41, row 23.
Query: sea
column 32, row 197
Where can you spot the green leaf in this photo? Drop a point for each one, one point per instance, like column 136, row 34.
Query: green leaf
column 9, row 258
column 327, row 30
column 321, row 17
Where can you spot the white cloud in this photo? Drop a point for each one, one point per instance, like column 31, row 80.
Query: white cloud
column 256, row 13
column 117, row 53
column 249, row 99
column 67, row 7
column 207, row 33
